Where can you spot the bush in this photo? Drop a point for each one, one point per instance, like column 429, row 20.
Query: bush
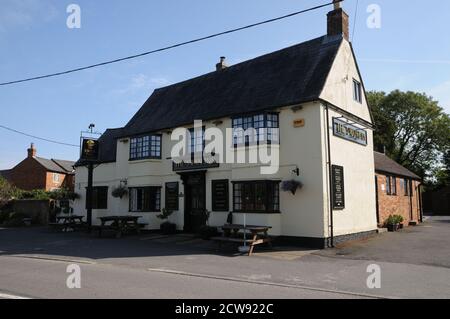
column 206, row 232
column 15, row 220
column 4, row 216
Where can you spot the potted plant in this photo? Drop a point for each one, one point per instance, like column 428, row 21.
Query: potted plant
column 291, row 186
column 207, row 231
column 400, row 221
column 167, row 227
column 393, row 223
column 119, row 192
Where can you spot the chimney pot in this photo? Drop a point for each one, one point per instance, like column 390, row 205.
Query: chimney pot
column 221, row 65
column 337, row 4
column 32, row 151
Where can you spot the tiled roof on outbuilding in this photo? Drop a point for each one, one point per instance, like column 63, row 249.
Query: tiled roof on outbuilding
column 384, row 164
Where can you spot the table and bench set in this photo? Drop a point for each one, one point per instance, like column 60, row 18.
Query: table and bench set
column 247, row 236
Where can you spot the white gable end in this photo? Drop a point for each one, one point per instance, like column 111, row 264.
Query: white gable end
column 338, row 88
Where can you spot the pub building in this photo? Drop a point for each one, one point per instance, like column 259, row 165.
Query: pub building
column 312, row 92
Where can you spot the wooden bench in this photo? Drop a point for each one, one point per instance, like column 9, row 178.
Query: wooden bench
column 258, row 236
column 120, row 224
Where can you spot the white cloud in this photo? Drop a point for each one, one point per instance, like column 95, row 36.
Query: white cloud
column 25, row 13
column 441, row 93
column 142, row 82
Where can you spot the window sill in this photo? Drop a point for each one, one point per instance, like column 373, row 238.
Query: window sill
column 145, row 160
column 255, row 146
column 152, row 212
column 257, row 213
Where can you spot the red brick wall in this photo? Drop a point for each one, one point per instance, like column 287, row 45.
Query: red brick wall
column 397, row 204
column 51, row 184
column 28, row 175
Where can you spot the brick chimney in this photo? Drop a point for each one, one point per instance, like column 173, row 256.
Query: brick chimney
column 338, row 23
column 31, row 151
column 221, row 65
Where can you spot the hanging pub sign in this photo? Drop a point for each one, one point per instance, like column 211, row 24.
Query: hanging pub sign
column 338, row 187
column 349, row 132
column 89, row 149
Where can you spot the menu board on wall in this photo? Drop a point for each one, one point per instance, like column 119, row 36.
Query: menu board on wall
column 338, row 187
column 172, row 196
column 220, row 195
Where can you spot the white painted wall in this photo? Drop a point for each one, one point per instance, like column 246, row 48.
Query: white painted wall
column 300, row 214
column 359, row 214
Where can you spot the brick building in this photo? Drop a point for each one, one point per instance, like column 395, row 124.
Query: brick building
column 41, row 173
column 398, row 191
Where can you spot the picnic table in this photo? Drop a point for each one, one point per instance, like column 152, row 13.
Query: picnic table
column 258, row 235
column 120, row 224
column 66, row 222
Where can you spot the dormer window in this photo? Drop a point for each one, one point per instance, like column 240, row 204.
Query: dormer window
column 357, row 91
column 145, row 147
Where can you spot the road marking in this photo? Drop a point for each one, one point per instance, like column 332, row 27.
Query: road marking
column 65, row 260
column 266, row 283
column 10, row 296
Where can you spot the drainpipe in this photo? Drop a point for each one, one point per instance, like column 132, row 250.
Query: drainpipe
column 331, row 224
column 411, row 194
column 419, row 194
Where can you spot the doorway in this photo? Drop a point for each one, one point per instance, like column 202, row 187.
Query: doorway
column 194, row 201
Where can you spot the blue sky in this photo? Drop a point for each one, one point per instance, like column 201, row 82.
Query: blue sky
column 411, row 51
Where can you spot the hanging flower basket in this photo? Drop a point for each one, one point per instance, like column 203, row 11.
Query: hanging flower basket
column 119, row 192
column 291, row 186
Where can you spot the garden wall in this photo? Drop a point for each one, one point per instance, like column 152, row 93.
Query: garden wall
column 38, row 210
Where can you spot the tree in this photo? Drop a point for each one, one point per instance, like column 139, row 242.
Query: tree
column 7, row 191
column 412, row 129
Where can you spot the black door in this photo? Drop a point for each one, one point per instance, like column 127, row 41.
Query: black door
column 195, row 201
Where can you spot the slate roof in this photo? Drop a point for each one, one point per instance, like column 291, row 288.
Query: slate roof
column 286, row 77
column 384, row 164
column 57, row 166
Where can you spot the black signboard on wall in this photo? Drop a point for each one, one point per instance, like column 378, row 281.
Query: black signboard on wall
column 172, row 196
column 338, row 187
column 89, row 150
column 220, row 195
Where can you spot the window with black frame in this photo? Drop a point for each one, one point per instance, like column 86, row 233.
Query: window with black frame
column 197, row 144
column 405, row 186
column 388, row 185
column 145, row 147
column 99, row 197
column 357, row 91
column 256, row 196
column 265, row 129
column 145, row 199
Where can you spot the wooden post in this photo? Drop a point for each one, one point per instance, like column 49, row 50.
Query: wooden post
column 89, row 193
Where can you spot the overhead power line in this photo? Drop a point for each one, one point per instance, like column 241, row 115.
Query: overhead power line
column 37, row 137
column 354, row 20
column 171, row 46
